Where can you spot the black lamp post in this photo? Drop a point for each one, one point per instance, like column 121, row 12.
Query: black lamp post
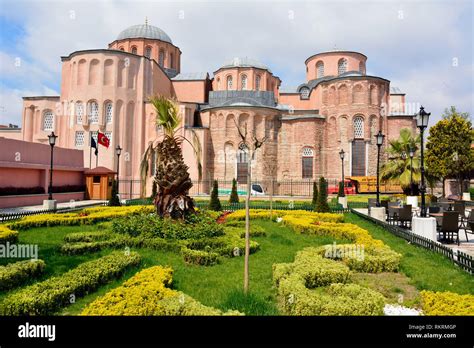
column 118, row 151
column 341, row 155
column 422, row 119
column 52, row 141
column 379, row 136
column 412, row 154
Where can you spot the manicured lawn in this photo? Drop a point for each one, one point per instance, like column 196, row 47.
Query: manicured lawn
column 217, row 286
column 427, row 270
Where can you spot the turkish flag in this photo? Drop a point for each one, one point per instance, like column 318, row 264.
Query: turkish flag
column 103, row 140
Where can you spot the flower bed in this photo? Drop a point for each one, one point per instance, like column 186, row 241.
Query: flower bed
column 313, row 285
column 86, row 217
column 148, row 293
column 447, row 303
column 50, row 295
column 265, row 214
column 17, row 273
column 7, row 235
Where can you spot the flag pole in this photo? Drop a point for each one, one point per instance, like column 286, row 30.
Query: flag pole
column 90, row 153
column 97, row 156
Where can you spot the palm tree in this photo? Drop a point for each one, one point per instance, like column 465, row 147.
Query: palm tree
column 398, row 166
column 172, row 176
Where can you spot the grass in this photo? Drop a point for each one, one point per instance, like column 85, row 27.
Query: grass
column 427, row 270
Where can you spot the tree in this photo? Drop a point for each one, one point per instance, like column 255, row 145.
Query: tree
column 398, row 167
column 234, row 197
column 449, row 153
column 114, row 200
column 250, row 146
column 172, row 176
column 452, row 111
column 270, row 168
column 340, row 190
column 315, row 194
column 215, row 203
column 323, row 206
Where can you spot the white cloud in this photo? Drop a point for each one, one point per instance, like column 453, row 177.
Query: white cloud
column 406, row 47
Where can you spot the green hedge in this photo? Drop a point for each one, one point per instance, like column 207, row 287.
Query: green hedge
column 47, row 297
column 200, row 257
column 17, row 273
column 7, row 235
column 87, row 236
column 313, row 268
column 372, row 260
column 313, row 285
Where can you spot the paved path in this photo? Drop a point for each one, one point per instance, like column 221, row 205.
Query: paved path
column 465, row 245
column 75, row 204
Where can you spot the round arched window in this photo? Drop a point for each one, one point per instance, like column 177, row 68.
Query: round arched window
column 342, row 66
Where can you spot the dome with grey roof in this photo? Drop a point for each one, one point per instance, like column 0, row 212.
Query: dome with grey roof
column 144, row 31
column 245, row 62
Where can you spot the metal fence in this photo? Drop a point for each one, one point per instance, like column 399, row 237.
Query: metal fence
column 290, row 205
column 17, row 215
column 463, row 260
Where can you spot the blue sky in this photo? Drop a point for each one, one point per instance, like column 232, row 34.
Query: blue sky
column 414, row 44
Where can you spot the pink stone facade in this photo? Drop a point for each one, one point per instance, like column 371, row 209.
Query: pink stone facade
column 107, row 90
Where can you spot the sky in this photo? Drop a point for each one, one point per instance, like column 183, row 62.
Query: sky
column 423, row 47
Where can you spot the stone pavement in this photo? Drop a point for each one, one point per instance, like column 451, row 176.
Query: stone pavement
column 74, row 204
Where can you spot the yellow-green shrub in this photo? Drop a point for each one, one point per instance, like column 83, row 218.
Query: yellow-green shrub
column 15, row 274
column 313, row 268
column 86, row 217
column 148, row 293
column 447, row 303
column 265, row 214
column 372, row 260
column 348, row 231
column 7, row 235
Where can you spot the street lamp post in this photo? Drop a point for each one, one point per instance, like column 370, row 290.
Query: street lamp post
column 412, row 154
column 341, row 155
column 422, row 119
column 52, row 141
column 379, row 136
column 118, row 151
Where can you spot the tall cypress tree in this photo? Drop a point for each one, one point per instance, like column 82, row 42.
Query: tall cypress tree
column 323, row 206
column 315, row 194
column 215, row 203
column 234, row 197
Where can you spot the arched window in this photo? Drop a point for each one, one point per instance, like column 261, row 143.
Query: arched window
column 243, row 81
column 218, row 81
column 358, row 127
column 307, row 159
column 134, row 50
column 342, row 66
column 48, row 120
column 93, row 112
column 121, row 49
column 108, row 112
column 79, row 112
column 361, row 67
column 161, row 58
column 304, row 91
column 148, row 52
column 257, row 83
column 171, row 61
column 229, row 82
column 319, row 69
